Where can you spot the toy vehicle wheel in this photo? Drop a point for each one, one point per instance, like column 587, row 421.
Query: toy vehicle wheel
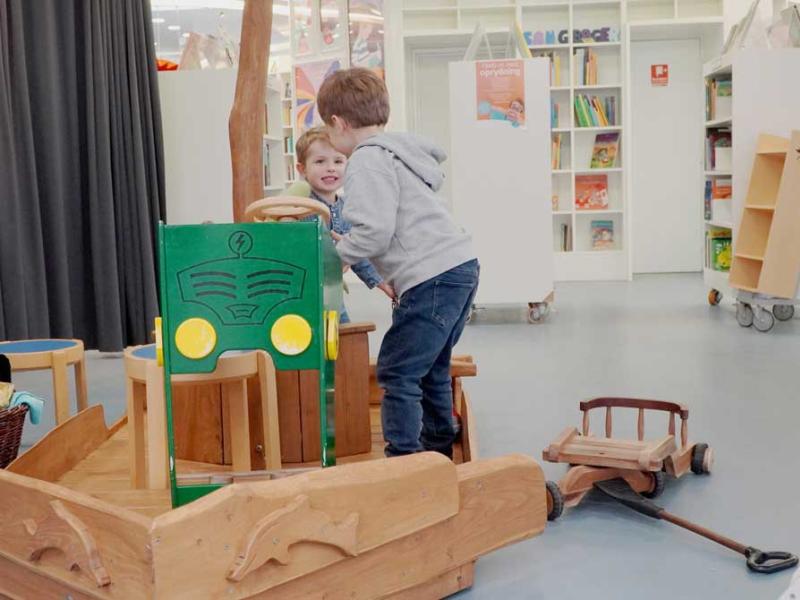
column 763, row 321
column 714, row 297
column 783, row 312
column 702, row 459
column 744, row 314
column 659, row 483
column 555, row 500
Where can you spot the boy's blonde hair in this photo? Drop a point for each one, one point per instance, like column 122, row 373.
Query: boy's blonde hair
column 303, row 145
column 357, row 95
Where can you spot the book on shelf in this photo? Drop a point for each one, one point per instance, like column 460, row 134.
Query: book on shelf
column 707, row 197
column 265, row 157
column 585, row 66
column 554, row 201
column 718, row 150
column 593, row 111
column 591, row 192
column 554, row 120
column 602, row 234
column 719, row 99
column 719, row 249
column 287, row 115
column 565, row 238
column 288, row 144
column 606, row 148
column 555, row 66
column 290, row 172
column 555, row 153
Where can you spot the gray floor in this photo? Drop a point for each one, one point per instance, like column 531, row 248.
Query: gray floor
column 657, row 338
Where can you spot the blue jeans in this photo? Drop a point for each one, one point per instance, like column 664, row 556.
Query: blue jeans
column 414, row 362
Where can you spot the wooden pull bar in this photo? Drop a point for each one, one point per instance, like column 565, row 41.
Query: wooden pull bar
column 640, row 425
column 672, row 423
column 585, row 427
column 608, row 421
column 684, row 432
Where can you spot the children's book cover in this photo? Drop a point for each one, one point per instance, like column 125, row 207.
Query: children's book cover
column 602, row 235
column 591, row 192
column 606, row 147
column 501, row 91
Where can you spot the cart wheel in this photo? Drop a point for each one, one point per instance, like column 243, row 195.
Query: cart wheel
column 744, row 314
column 537, row 312
column 702, row 459
column 659, row 482
column 763, row 320
column 471, row 314
column 714, row 297
column 555, row 500
column 783, row 312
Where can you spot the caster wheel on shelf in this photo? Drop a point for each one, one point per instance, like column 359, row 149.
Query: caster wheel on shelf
column 783, row 312
column 537, row 312
column 659, row 483
column 702, row 459
column 714, row 297
column 763, row 320
column 744, row 314
column 555, row 500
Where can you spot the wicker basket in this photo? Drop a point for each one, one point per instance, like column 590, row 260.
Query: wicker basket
column 12, row 421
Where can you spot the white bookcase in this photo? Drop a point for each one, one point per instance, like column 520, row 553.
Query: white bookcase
column 720, row 220
column 274, row 156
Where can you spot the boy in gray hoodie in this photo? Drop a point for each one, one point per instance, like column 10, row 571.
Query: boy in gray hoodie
column 402, row 227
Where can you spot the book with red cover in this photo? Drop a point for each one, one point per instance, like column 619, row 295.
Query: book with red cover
column 591, row 192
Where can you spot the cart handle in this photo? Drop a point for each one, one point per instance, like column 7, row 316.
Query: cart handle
column 642, row 405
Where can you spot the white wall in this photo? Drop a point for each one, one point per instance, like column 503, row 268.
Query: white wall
column 195, row 106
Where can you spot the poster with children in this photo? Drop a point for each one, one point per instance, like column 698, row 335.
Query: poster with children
column 308, row 79
column 501, row 91
column 366, row 35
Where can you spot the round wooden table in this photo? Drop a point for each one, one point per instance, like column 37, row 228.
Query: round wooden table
column 57, row 355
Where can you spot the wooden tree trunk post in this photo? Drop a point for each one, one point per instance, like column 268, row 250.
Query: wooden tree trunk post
column 245, row 123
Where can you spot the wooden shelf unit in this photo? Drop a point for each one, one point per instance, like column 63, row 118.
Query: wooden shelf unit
column 767, row 252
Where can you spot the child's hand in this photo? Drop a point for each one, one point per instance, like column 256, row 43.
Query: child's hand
column 337, row 237
column 388, row 290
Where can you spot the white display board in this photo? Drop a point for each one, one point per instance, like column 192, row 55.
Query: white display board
column 195, row 106
column 501, row 186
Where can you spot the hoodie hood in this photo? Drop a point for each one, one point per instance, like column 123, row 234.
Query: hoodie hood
column 418, row 153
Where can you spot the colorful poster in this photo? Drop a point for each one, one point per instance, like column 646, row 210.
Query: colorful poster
column 330, row 24
column 307, row 80
column 501, row 91
column 302, row 23
column 366, row 35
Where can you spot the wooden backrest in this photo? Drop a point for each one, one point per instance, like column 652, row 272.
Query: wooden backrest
column 641, row 405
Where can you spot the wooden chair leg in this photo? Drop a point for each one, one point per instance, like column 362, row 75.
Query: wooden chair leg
column 60, row 386
column 236, row 393
column 136, row 456
column 267, row 379
column 80, row 385
column 157, row 456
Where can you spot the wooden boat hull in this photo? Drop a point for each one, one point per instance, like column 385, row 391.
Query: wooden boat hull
column 408, row 527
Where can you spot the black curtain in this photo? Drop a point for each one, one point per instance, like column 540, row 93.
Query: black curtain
column 81, row 171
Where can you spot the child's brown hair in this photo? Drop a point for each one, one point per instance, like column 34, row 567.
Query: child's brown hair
column 303, row 145
column 356, row 95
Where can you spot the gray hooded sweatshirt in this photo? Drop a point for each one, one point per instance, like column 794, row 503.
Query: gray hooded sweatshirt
column 399, row 222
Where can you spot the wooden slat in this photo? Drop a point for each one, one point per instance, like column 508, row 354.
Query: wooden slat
column 289, row 416
column 197, row 422
column 64, row 447
column 443, row 586
column 391, row 498
column 502, row 502
column 20, row 582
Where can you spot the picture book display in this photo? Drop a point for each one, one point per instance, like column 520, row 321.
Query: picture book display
column 555, row 152
column 602, row 235
column 585, row 66
column 719, row 249
column 500, row 91
column 606, row 148
column 593, row 111
column 718, row 150
column 591, row 192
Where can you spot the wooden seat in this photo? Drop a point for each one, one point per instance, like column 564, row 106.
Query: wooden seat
column 644, row 455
